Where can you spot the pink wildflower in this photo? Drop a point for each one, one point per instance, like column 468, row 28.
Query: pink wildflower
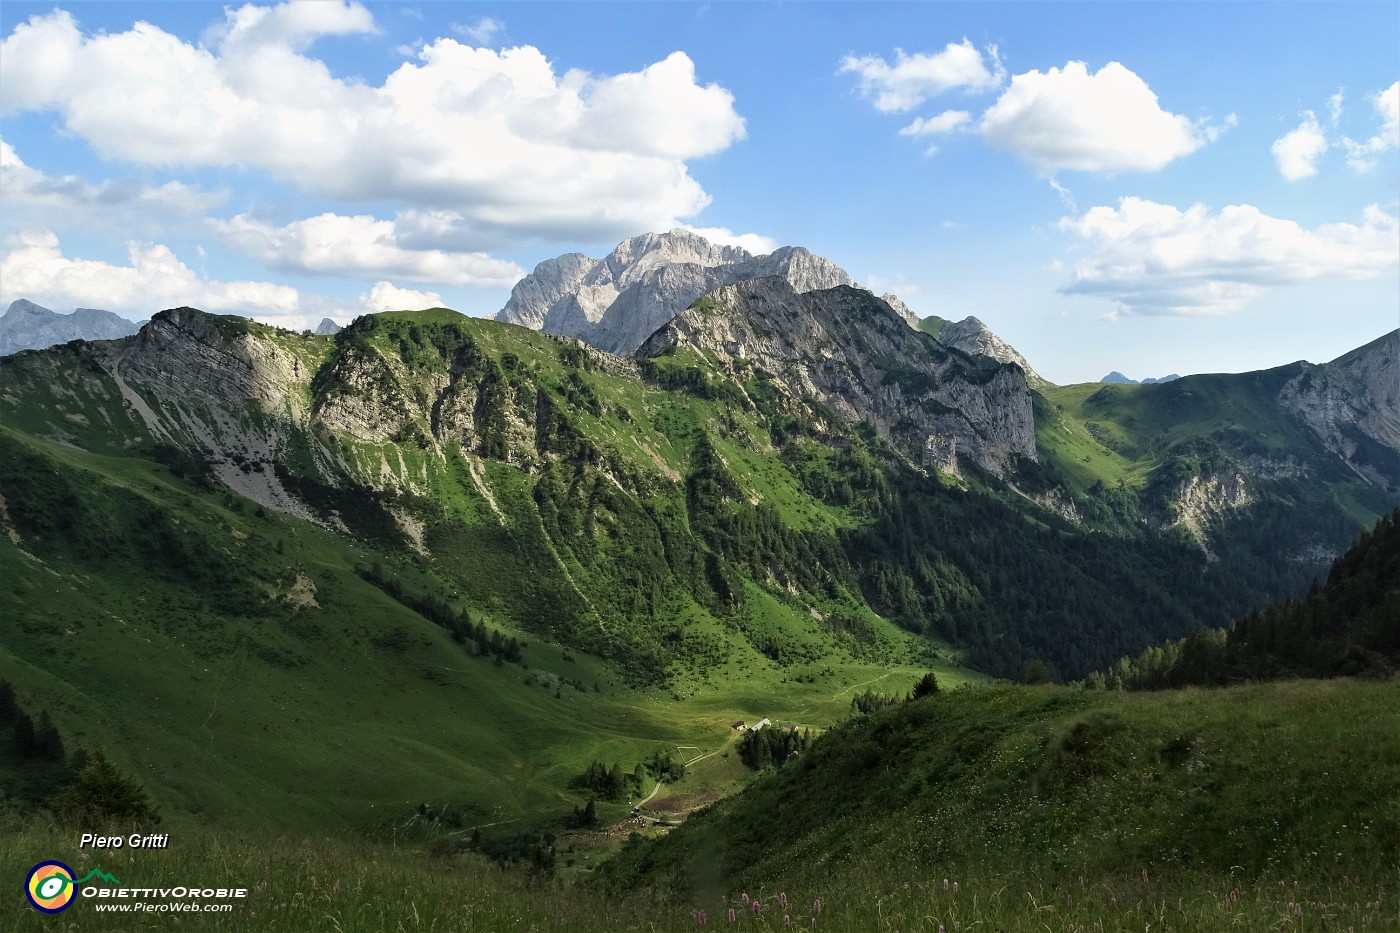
column 782, row 898
column 817, row 906
column 955, row 887
column 787, row 920
column 945, row 884
column 756, row 907
column 701, row 919
column 745, row 898
column 732, row 918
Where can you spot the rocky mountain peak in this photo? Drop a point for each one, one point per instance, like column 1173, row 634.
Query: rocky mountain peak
column 1117, row 378
column 29, row 326
column 843, row 350
column 327, row 328
column 639, row 254
column 615, row 303
column 970, row 335
column 902, row 310
column 1353, row 405
column 24, row 307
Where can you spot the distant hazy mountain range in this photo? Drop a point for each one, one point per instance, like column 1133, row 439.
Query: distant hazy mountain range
column 27, row 326
column 1117, row 378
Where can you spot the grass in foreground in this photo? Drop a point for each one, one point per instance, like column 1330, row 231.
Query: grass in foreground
column 309, row 885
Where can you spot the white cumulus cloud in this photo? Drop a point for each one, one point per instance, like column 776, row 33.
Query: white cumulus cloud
column 912, row 79
column 1296, row 153
column 482, row 32
column 500, row 138
column 755, row 243
column 1361, row 156
column 1107, row 121
column 30, row 195
column 362, row 247
column 945, row 122
column 385, row 296
column 35, row 267
column 1156, row 259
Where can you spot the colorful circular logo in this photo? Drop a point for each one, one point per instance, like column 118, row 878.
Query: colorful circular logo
column 49, row 887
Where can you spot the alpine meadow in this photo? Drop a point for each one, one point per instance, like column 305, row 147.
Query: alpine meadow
column 705, row 583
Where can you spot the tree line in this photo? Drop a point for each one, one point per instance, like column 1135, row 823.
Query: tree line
column 1347, row 626
column 475, row 636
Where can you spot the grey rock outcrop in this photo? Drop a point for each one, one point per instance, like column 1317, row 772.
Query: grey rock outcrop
column 186, row 355
column 27, row 326
column 845, row 351
column 902, row 310
column 1353, row 405
column 327, row 328
column 972, row 336
column 617, row 302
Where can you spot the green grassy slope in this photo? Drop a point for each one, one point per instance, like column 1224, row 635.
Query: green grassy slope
column 1108, row 433
column 307, row 885
column 173, row 626
column 1295, row 779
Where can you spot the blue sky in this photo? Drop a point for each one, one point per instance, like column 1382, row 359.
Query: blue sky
column 1151, row 188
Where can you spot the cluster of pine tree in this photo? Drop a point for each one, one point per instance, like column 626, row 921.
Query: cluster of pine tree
column 609, row 783
column 30, row 740
column 868, row 701
column 752, row 539
column 80, row 789
column 477, row 638
column 1348, row 626
column 665, row 767
column 771, row 748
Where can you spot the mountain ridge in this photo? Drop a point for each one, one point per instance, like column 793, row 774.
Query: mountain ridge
column 854, row 352
column 615, row 303
column 28, row 326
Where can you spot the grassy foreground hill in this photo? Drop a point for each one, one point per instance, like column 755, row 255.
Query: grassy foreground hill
column 1073, row 800
column 994, row 808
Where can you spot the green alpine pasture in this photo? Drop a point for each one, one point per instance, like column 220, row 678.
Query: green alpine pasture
column 983, row 808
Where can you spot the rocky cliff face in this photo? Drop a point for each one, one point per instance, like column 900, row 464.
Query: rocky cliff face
column 27, row 326
column 1201, row 500
column 1353, row 405
column 617, row 302
column 844, row 350
column 191, row 357
column 902, row 310
column 973, row 337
